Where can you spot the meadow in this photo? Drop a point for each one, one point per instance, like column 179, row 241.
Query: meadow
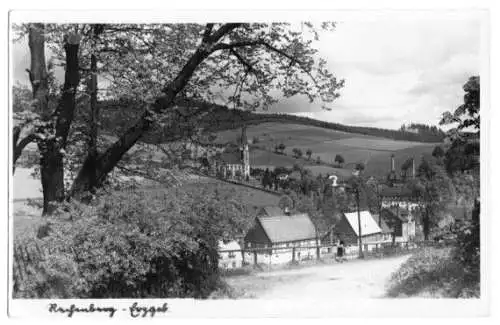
column 374, row 152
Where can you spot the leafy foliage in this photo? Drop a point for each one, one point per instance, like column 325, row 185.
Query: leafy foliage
column 309, row 154
column 297, row 152
column 438, row 152
column 466, row 115
column 434, row 190
column 463, row 153
column 339, row 159
column 134, row 244
column 432, row 272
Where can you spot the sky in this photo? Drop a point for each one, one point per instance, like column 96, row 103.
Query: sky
column 396, row 70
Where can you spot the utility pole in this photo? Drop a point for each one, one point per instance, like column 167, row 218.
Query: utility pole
column 359, row 225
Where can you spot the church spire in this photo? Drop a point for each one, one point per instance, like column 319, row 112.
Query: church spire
column 244, row 140
column 245, row 154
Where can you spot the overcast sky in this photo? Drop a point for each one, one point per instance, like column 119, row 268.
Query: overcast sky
column 395, row 71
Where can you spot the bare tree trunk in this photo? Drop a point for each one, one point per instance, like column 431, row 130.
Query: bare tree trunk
column 38, row 74
column 39, row 85
column 51, row 161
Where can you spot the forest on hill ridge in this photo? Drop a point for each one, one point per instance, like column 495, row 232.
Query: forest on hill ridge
column 221, row 118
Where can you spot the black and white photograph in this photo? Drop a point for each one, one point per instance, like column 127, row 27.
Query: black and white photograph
column 330, row 157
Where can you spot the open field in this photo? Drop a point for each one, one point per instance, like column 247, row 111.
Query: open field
column 326, row 144
column 251, row 197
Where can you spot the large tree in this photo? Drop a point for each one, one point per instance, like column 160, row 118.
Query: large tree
column 49, row 126
column 463, row 152
column 248, row 65
column 433, row 190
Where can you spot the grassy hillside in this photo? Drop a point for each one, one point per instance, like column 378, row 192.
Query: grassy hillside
column 254, row 199
column 374, row 152
column 117, row 116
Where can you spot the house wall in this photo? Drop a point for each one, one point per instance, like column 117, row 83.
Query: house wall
column 408, row 231
column 281, row 252
column 230, row 260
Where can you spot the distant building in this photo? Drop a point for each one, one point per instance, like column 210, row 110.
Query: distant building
column 347, row 228
column 230, row 255
column 397, row 196
column 392, row 177
column 236, row 162
column 401, row 223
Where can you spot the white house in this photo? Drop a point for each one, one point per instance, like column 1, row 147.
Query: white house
column 230, row 256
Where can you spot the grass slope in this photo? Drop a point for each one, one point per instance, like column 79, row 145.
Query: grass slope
column 375, row 152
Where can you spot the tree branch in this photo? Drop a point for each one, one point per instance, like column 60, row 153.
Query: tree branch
column 207, row 33
column 18, row 147
column 223, row 30
column 242, row 60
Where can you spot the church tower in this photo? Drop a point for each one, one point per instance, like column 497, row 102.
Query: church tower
column 245, row 154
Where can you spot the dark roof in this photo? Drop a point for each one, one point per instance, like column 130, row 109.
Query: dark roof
column 383, row 225
column 271, row 211
column 288, row 228
column 395, row 191
column 231, row 158
column 401, row 213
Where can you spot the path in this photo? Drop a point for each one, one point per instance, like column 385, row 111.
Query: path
column 351, row 280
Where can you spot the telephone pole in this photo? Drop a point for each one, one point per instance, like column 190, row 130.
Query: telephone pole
column 361, row 255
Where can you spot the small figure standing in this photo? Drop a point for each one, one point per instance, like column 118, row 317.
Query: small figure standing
column 340, row 251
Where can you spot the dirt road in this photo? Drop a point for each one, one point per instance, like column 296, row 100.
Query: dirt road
column 351, row 280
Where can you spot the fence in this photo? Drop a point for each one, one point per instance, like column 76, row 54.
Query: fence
column 230, row 259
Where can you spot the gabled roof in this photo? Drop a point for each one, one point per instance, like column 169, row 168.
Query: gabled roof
column 368, row 224
column 401, row 213
column 227, row 246
column 231, row 158
column 271, row 211
column 382, row 224
column 288, row 228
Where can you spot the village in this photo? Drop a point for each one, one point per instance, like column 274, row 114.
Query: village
column 279, row 236
column 222, row 161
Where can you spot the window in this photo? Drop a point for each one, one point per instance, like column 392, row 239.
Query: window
column 231, row 255
column 234, row 265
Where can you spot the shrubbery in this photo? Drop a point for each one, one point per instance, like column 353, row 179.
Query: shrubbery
column 136, row 245
column 452, row 272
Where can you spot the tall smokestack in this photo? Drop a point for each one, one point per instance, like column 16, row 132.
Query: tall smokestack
column 413, row 167
column 392, row 163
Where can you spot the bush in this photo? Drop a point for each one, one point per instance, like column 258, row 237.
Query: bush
column 432, row 272
column 135, row 245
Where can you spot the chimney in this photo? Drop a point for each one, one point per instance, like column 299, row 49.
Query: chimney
column 392, row 163
column 413, row 167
